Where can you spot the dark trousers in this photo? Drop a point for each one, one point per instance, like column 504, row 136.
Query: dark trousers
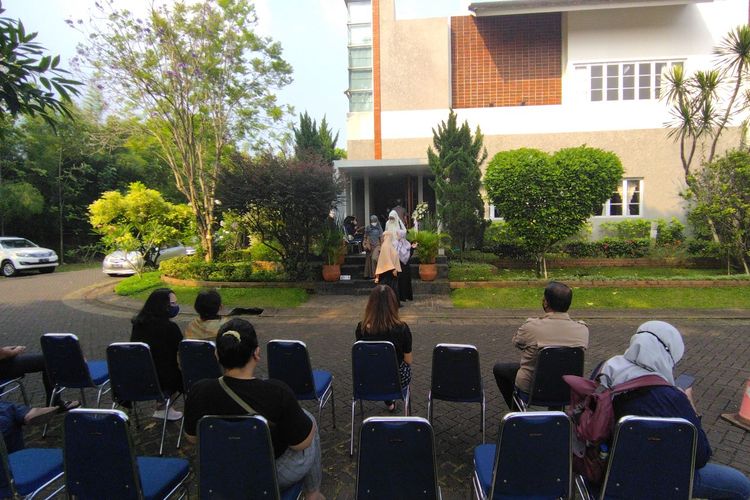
column 23, row 364
column 505, row 377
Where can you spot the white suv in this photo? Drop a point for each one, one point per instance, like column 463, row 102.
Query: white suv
column 19, row 254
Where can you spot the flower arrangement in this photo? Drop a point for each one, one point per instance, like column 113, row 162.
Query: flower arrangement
column 420, row 211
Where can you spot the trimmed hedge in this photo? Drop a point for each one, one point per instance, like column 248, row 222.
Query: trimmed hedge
column 609, row 247
column 196, row 269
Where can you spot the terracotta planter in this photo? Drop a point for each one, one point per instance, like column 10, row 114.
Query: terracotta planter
column 331, row 272
column 428, row 272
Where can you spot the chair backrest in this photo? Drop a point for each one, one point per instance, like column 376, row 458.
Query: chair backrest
column 132, row 374
column 658, row 452
column 375, row 375
column 456, row 375
column 235, row 458
column 396, row 459
column 548, row 387
column 289, row 361
column 533, row 456
column 197, row 361
column 98, row 453
column 63, row 358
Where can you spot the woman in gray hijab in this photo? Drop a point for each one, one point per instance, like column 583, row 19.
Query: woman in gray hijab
column 371, row 243
column 655, row 349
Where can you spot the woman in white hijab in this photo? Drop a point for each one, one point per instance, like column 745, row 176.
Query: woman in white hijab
column 394, row 223
column 389, row 264
column 655, row 349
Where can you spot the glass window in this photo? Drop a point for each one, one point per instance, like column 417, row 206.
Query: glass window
column 360, row 101
column 627, row 81
column 658, row 70
column 360, row 34
column 360, row 12
column 360, row 57
column 596, row 83
column 360, row 79
column 613, row 82
column 625, row 201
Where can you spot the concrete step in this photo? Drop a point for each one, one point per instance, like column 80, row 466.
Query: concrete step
column 363, row 287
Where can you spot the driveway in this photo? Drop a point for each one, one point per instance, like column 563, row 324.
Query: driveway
column 717, row 352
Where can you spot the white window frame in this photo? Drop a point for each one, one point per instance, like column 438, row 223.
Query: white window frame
column 491, row 213
column 606, row 207
column 362, row 93
column 655, row 80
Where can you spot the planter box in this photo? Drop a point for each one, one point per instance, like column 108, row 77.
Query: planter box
column 697, row 262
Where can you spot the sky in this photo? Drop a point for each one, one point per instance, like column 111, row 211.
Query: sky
column 312, row 33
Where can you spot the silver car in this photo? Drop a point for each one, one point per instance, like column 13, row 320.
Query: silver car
column 20, row 254
column 122, row 263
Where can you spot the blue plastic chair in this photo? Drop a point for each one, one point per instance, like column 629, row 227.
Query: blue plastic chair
column 651, row 458
column 25, row 473
column 236, row 459
column 396, row 459
column 375, row 377
column 532, row 458
column 197, row 362
column 9, row 385
column 289, row 361
column 548, row 387
column 133, row 379
column 100, row 461
column 68, row 369
column 456, row 377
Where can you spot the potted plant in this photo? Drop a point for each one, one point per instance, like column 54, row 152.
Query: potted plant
column 428, row 243
column 332, row 249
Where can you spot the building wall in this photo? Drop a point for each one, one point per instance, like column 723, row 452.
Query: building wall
column 506, row 61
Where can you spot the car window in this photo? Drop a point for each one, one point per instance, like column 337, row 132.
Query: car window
column 18, row 243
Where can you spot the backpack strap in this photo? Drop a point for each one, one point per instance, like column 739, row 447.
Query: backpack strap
column 637, row 383
column 237, row 399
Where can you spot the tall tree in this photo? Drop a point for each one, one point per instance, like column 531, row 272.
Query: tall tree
column 202, row 79
column 309, row 139
column 31, row 83
column 456, row 161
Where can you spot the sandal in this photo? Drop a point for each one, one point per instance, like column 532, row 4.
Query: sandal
column 390, row 406
column 66, row 406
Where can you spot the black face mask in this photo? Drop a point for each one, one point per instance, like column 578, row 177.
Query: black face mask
column 173, row 310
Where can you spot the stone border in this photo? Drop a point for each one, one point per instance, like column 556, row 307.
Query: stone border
column 605, row 283
column 307, row 285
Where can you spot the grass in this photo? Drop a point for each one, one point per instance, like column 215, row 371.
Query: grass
column 608, row 298
column 464, row 271
column 141, row 287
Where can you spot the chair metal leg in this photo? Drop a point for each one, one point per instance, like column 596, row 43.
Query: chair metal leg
column 484, row 410
column 102, row 392
column 333, row 408
column 407, row 402
column 23, row 393
column 56, row 391
column 351, row 437
column 429, row 407
column 83, row 398
column 167, row 404
column 179, row 436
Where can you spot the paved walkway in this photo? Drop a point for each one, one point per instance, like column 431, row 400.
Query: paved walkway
column 718, row 353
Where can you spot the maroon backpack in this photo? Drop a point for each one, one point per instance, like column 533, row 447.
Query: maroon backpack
column 593, row 417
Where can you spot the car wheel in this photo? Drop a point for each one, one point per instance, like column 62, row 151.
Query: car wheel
column 113, row 275
column 47, row 270
column 8, row 269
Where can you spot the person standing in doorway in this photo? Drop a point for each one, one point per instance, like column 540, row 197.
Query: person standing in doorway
column 386, row 272
column 371, row 243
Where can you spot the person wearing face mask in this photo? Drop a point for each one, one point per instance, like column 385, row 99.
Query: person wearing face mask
column 373, row 238
column 655, row 349
column 153, row 326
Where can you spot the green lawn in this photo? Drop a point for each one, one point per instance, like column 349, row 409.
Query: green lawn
column 140, row 288
column 463, row 271
column 608, row 298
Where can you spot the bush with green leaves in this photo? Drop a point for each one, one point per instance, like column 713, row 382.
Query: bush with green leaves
column 192, row 268
column 609, row 248
column 627, row 229
column 670, row 233
column 546, row 198
column 500, row 240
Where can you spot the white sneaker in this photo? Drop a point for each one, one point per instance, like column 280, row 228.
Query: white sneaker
column 171, row 416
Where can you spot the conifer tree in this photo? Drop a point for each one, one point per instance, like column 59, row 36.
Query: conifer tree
column 455, row 162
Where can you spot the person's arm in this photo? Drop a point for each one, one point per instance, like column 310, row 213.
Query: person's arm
column 408, row 356
column 11, row 351
column 523, row 337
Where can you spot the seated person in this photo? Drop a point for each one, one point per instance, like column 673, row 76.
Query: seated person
column 555, row 328
column 207, row 305
column 16, row 362
column 14, row 416
column 294, row 433
column 655, row 349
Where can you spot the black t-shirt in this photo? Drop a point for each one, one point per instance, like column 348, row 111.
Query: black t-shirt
column 163, row 337
column 272, row 399
column 400, row 336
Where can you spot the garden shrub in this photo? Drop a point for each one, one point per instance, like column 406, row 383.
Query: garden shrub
column 474, row 256
column 705, row 248
column 500, row 240
column 670, row 233
column 260, row 251
column 609, row 248
column 627, row 229
column 195, row 269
